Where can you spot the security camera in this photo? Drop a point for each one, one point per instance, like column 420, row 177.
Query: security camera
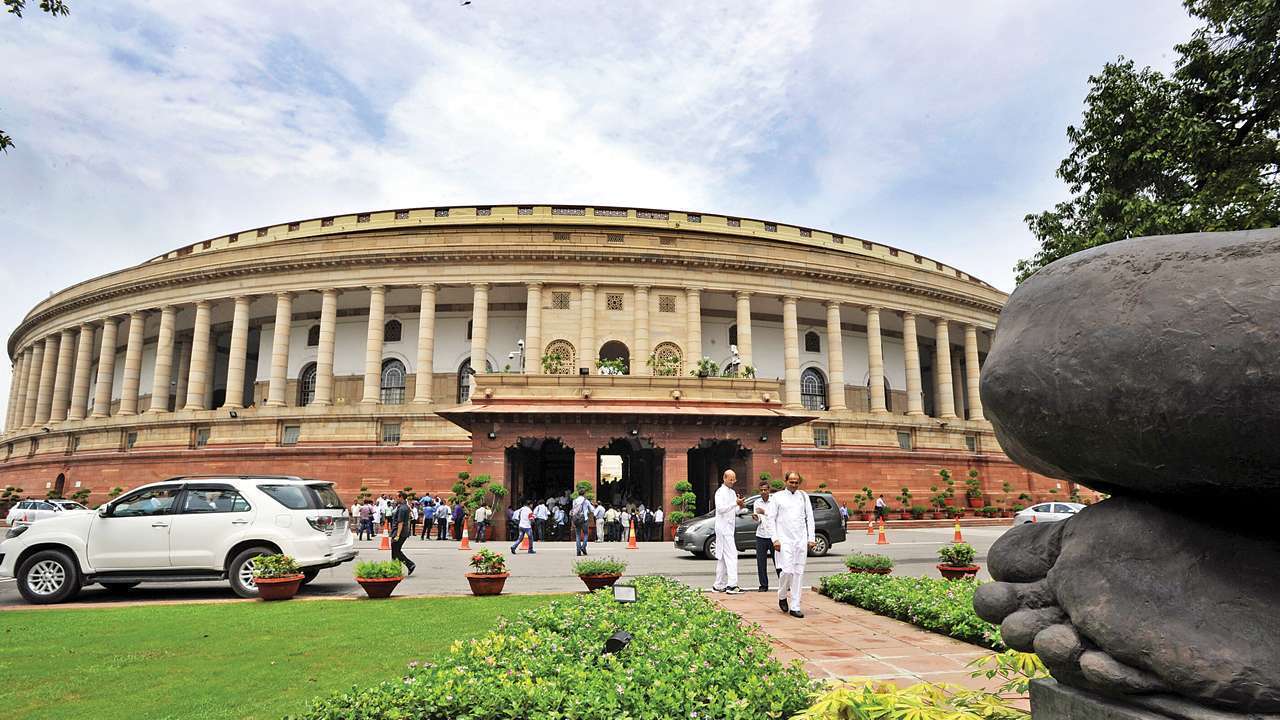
column 511, row 355
column 520, row 343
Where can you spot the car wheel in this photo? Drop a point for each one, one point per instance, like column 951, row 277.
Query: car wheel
column 309, row 574
column 47, row 577
column 709, row 550
column 820, row 545
column 119, row 588
column 240, row 571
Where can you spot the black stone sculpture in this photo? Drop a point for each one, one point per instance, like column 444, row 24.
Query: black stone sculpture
column 1148, row 369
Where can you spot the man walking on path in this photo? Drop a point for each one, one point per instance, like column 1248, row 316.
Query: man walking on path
column 727, row 505
column 583, row 514
column 401, row 530
column 763, row 511
column 793, row 538
column 524, row 516
column 880, row 508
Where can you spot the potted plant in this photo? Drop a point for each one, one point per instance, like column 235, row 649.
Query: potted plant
column 957, row 561
column 938, row 501
column 905, row 499
column 706, row 367
column 599, row 573
column 948, row 487
column 868, row 496
column 990, row 511
column 973, row 492
column 869, row 563
column 748, row 371
column 379, row 578
column 917, row 512
column 616, row 366
column 491, row 572
column 277, row 577
column 954, row 512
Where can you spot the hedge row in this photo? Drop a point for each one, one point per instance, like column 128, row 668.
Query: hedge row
column 687, row 659
column 943, row 606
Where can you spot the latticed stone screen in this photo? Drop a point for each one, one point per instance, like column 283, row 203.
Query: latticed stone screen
column 560, row 358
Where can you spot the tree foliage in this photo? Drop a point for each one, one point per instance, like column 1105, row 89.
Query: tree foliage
column 1197, row 150
column 15, row 8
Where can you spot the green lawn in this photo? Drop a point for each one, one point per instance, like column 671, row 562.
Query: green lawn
column 230, row 660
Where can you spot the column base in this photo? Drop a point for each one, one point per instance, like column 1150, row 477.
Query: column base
column 915, row 413
column 99, row 416
column 274, row 404
column 321, row 403
column 949, row 417
column 193, row 407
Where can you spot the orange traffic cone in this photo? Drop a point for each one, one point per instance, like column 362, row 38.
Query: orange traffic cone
column 465, row 545
column 871, row 528
column 385, row 542
column 882, row 540
column 958, row 537
column 524, row 544
column 631, row 536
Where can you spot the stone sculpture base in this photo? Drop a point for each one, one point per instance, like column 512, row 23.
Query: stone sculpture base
column 1051, row 700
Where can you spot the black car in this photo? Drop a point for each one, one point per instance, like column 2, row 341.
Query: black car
column 698, row 535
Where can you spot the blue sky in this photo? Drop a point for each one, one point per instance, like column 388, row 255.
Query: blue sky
column 930, row 126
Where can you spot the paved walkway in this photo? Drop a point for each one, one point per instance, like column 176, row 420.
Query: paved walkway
column 840, row 641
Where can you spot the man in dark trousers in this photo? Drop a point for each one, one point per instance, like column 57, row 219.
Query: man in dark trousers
column 401, row 530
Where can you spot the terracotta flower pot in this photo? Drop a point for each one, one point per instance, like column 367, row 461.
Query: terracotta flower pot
column 595, row 582
column 949, row 502
column 904, row 516
column 975, row 502
column 958, row 572
column 937, row 515
column 378, row 588
column 487, row 584
column 281, row 588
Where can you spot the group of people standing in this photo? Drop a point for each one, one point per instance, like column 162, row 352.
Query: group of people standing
column 438, row 515
column 553, row 520
column 786, row 533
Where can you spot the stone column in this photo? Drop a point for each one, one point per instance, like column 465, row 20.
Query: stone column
column 875, row 361
column 62, row 378
column 324, row 349
column 643, row 348
column 835, row 358
column 587, row 353
column 208, row 376
column 972, row 371
column 184, row 375
column 693, row 327
column 20, row 382
column 791, row 352
column 942, row 370
column 532, row 356
column 238, row 356
column 479, row 329
column 744, row 328
column 280, row 350
column 164, row 361
column 84, row 364
column 31, row 404
column 911, row 351
column 373, row 346
column 957, row 387
column 106, row 369
column 44, row 401
column 201, row 367
column 15, row 379
column 129, row 384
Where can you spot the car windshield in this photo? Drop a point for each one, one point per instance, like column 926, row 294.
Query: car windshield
column 317, row 496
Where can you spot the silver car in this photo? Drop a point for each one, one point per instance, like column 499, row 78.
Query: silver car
column 29, row 511
column 1047, row 512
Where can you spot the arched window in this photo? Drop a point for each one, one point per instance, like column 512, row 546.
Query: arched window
column 464, row 379
column 812, row 343
column 313, row 336
column 307, row 385
column 559, row 358
column 391, row 331
column 613, row 351
column 813, row 389
column 733, row 334
column 667, row 359
column 392, row 382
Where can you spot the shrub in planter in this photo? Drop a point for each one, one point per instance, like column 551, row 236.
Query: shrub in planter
column 941, row 606
column 918, row 511
column 990, row 511
column 277, row 577
column 379, row 578
column 957, row 561
column 869, row 563
column 490, row 572
column 599, row 573
column 689, row 659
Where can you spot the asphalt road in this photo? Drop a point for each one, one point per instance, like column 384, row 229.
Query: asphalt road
column 441, row 566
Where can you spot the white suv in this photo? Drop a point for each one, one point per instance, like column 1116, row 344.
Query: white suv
column 182, row 529
column 29, row 511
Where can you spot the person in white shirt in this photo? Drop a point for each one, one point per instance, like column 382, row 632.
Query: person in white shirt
column 557, row 522
column 540, row 515
column 580, row 517
column 610, row 524
column 524, row 518
column 727, row 505
column 625, row 519
column 444, row 514
column 763, row 511
column 482, row 521
column 793, row 538
column 657, row 522
column 599, row 513
column 880, row 508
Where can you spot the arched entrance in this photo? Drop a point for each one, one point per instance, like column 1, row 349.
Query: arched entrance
column 539, row 468
column 707, row 462
column 59, row 485
column 629, row 473
column 614, row 350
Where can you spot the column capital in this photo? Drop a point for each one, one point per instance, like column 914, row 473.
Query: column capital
column 286, row 294
column 869, row 309
column 67, row 332
column 376, row 288
column 587, row 285
column 832, row 304
column 693, row 290
column 245, row 298
column 533, row 285
column 790, row 299
column 907, row 314
column 742, row 294
column 86, row 326
column 642, row 286
column 204, row 304
column 480, row 285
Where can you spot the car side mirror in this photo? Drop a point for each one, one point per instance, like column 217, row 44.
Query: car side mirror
column 104, row 511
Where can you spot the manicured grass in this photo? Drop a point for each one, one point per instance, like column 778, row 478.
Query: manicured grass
column 229, row 660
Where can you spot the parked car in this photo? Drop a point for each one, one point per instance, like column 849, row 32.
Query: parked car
column 1047, row 512
column 182, row 529
column 698, row 535
column 29, row 511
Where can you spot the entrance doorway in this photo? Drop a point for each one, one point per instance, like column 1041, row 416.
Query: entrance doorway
column 60, row 485
column 629, row 472
column 539, row 468
column 614, row 350
column 709, row 460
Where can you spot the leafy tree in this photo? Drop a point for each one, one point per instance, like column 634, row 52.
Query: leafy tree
column 1194, row 151
column 15, row 8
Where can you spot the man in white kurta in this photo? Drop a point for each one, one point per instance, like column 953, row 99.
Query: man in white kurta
column 793, row 537
column 727, row 505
